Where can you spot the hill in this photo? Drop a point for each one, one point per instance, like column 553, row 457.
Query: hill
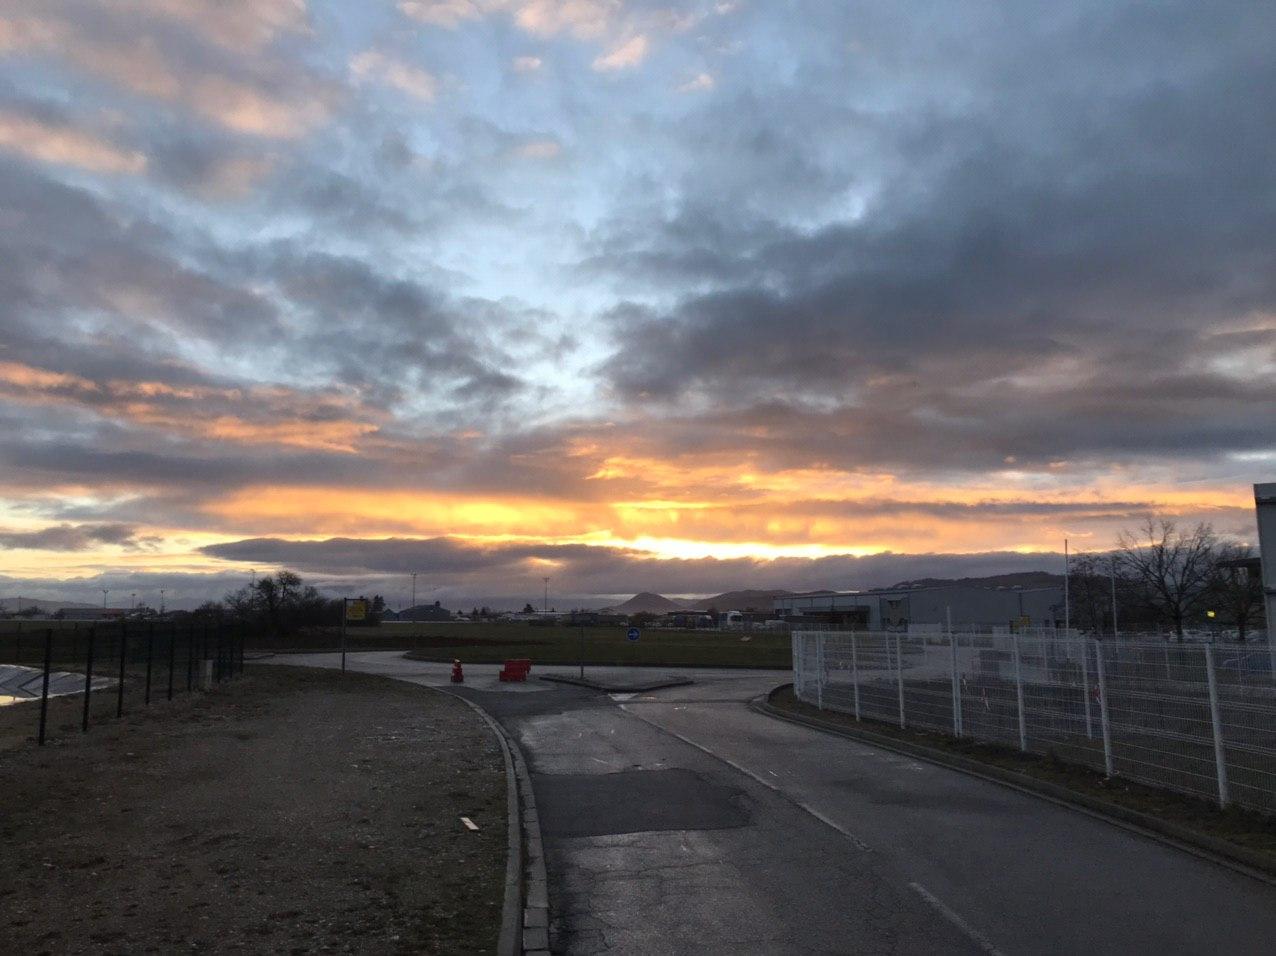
column 11, row 605
column 1020, row 579
column 746, row 600
column 648, row 603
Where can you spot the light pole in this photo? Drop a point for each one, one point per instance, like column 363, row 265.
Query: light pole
column 1067, row 619
column 162, row 590
column 414, row 574
column 105, row 591
column 133, row 607
column 546, row 607
column 253, row 572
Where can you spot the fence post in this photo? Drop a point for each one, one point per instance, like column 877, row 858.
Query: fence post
column 899, row 679
column 1103, row 708
column 1023, row 722
column 819, row 671
column 855, row 674
column 44, row 692
column 1220, row 757
column 190, row 658
column 172, row 654
column 952, row 651
column 150, row 658
column 1085, row 687
column 119, row 699
column 88, row 681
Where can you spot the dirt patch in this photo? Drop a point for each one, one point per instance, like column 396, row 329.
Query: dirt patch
column 291, row 810
column 1241, row 827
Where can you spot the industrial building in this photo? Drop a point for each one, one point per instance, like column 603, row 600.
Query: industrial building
column 926, row 608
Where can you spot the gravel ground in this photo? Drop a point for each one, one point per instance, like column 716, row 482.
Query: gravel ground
column 292, row 810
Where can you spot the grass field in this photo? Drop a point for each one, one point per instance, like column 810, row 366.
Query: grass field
column 484, row 643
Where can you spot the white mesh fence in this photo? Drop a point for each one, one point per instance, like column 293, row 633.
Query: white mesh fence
column 1197, row 718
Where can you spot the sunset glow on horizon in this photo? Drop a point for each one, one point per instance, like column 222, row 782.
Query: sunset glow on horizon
column 674, row 296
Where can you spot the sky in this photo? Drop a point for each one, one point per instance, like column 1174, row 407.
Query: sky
column 676, row 296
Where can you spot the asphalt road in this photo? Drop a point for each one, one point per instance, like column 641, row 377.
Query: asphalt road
column 679, row 821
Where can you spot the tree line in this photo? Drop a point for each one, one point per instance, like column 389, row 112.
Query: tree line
column 1167, row 578
column 282, row 603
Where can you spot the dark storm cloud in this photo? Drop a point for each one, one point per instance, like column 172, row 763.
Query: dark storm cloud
column 67, row 537
column 63, row 250
column 460, row 567
column 1100, row 230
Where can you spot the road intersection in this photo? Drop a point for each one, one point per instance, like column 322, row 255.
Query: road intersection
column 681, row 821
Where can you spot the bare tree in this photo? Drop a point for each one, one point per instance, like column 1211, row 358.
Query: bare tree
column 1173, row 568
column 1089, row 593
column 1235, row 587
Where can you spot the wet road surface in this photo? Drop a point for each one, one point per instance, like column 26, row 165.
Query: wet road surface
column 680, row 821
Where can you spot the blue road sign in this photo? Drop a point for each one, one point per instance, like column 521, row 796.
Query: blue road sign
column 632, row 634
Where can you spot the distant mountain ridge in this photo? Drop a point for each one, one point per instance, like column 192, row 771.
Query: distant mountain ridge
column 647, row 602
column 11, row 605
column 1018, row 579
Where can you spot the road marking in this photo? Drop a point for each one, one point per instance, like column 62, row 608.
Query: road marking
column 758, row 778
column 469, row 824
column 976, row 937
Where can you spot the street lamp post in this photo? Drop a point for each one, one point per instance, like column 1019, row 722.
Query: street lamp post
column 162, row 590
column 414, row 574
column 105, row 591
column 546, row 606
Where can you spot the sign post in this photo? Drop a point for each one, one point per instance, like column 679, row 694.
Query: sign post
column 352, row 609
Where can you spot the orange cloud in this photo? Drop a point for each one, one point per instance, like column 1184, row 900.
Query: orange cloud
column 65, row 145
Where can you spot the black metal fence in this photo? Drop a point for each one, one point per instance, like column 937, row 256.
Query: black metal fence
column 111, row 669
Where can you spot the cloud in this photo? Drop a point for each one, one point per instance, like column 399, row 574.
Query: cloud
column 585, row 572
column 68, row 537
column 698, row 83
column 583, row 19
column 624, row 56
column 540, row 149
column 212, row 59
column 373, row 65
column 526, row 64
column 441, row 13
column 63, row 144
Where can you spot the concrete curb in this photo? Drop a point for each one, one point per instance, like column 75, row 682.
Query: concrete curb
column 610, row 688
column 510, row 941
column 1220, row 852
column 525, row 912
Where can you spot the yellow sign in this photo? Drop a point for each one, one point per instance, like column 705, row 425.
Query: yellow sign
column 356, row 609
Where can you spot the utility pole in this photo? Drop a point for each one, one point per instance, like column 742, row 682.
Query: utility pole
column 162, row 590
column 546, row 595
column 1112, row 571
column 1067, row 618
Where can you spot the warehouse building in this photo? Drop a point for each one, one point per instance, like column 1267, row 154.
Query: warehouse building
column 926, row 608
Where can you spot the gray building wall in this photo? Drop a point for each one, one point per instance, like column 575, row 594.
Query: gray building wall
column 985, row 607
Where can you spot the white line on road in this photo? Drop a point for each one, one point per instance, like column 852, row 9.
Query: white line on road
column 976, row 937
column 757, row 778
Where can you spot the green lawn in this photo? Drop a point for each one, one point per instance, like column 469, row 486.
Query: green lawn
column 487, row 643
